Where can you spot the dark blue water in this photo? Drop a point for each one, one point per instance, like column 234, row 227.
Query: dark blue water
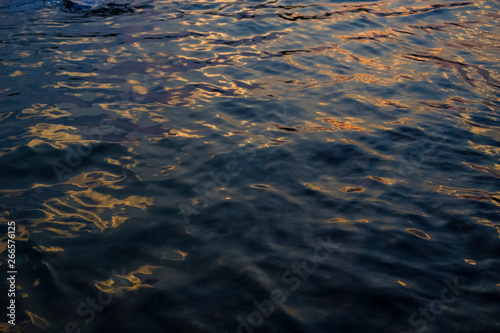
column 251, row 166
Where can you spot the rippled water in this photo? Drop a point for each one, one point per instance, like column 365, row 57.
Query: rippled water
column 252, row 166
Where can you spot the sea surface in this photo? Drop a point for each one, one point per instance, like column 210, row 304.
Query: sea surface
column 251, row 166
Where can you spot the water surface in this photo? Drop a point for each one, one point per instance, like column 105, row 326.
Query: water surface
column 186, row 163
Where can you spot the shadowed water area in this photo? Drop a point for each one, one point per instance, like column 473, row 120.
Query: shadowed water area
column 251, row 166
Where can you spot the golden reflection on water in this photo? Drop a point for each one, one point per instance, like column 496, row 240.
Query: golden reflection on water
column 83, row 85
column 316, row 188
column 391, row 68
column 115, row 287
column 55, row 135
column 17, row 73
column 487, row 223
column 263, row 187
column 135, row 111
column 471, row 194
column 22, row 233
column 37, row 320
column 6, row 327
column 206, row 42
column 351, row 189
column 387, row 181
column 419, row 233
column 470, row 261
column 397, row 104
column 3, row 246
column 51, row 248
column 338, row 220
column 76, row 209
column 43, row 110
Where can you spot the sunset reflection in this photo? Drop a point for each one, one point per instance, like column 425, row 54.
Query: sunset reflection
column 243, row 166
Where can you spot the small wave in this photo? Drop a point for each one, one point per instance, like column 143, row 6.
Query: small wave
column 11, row 6
column 96, row 7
